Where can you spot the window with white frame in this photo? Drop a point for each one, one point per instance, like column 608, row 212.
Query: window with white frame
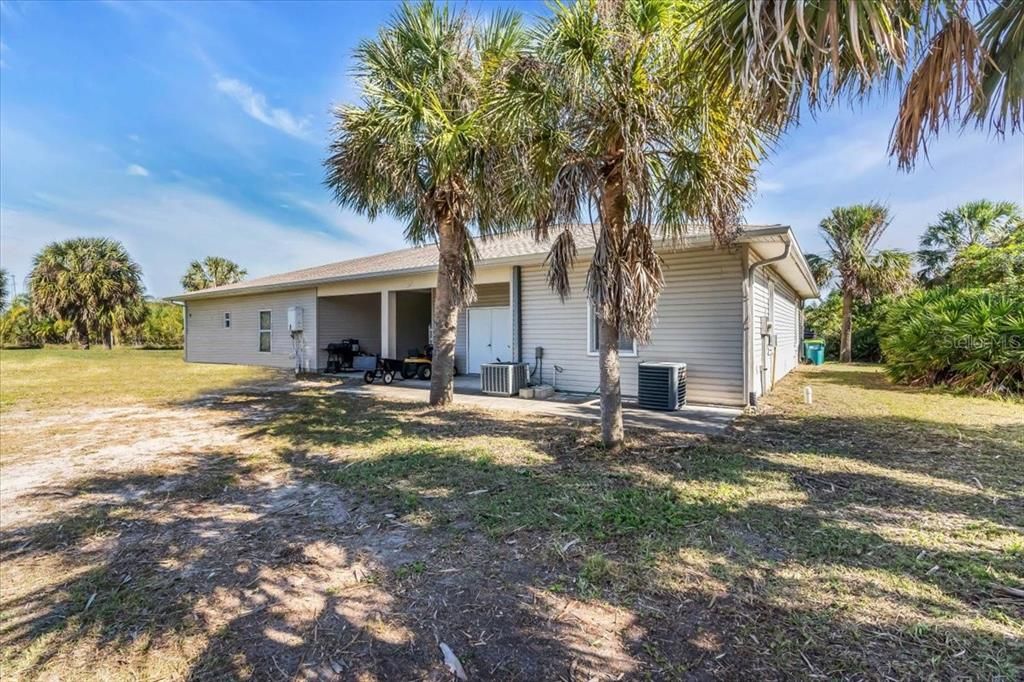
column 265, row 325
column 227, row 320
column 627, row 345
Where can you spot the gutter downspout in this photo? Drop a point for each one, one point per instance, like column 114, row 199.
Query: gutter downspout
column 748, row 319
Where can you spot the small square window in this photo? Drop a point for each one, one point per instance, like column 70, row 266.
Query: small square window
column 227, row 320
column 265, row 330
column 627, row 345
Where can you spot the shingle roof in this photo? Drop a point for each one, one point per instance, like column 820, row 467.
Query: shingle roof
column 509, row 246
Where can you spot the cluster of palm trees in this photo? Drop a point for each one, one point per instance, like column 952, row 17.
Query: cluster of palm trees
column 861, row 272
column 649, row 117
column 90, row 288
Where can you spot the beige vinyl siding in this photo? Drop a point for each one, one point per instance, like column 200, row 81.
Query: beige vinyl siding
column 208, row 340
column 348, row 317
column 699, row 322
column 786, row 316
column 487, row 296
column 760, row 311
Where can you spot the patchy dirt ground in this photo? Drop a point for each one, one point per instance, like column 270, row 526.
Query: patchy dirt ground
column 287, row 532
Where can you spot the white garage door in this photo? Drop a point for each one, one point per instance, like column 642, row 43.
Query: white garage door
column 490, row 337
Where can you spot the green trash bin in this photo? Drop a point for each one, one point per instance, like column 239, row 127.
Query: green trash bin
column 814, row 351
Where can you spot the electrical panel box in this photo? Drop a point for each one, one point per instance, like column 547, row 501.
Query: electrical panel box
column 773, row 340
column 295, row 318
column 766, row 325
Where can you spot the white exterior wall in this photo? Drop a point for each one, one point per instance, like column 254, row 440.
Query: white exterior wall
column 700, row 322
column 207, row 340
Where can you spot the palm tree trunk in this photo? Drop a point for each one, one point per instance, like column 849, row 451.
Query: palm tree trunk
column 613, row 223
column 108, row 339
column 612, row 433
column 846, row 338
column 82, row 332
column 446, row 314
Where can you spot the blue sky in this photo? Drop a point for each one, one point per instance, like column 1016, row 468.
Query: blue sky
column 187, row 130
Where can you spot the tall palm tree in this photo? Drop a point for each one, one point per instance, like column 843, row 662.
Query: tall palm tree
column 212, row 271
column 958, row 62
column 89, row 283
column 981, row 222
column 851, row 234
column 4, row 287
column 613, row 117
column 418, row 147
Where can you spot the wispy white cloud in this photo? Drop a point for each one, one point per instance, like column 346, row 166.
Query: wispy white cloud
column 166, row 227
column 137, row 170
column 255, row 104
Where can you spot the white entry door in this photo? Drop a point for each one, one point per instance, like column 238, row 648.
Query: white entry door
column 490, row 337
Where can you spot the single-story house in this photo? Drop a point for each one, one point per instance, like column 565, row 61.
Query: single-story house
column 732, row 313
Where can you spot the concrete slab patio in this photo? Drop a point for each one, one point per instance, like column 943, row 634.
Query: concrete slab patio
column 707, row 420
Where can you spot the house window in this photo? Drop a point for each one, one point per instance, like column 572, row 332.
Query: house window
column 265, row 320
column 227, row 320
column 627, row 345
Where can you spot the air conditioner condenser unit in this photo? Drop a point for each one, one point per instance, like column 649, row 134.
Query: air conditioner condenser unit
column 662, row 385
column 503, row 378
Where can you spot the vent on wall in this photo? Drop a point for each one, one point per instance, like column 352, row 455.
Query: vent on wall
column 662, row 385
column 503, row 378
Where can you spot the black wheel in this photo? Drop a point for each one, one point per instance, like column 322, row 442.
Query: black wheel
column 408, row 370
column 368, row 377
column 424, row 372
column 389, row 377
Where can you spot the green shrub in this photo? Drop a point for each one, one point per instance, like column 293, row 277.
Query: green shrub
column 21, row 327
column 980, row 265
column 969, row 339
column 161, row 327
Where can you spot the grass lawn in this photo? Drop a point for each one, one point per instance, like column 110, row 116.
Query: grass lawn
column 60, row 377
column 876, row 533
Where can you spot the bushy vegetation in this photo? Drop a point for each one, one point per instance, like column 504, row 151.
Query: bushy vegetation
column 961, row 325
column 162, row 327
column 970, row 339
column 90, row 291
column 155, row 325
column 967, row 333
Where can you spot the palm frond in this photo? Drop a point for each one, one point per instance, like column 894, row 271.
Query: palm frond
column 560, row 261
column 941, row 87
column 822, row 269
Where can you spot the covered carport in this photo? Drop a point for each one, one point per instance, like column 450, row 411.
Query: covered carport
column 351, row 316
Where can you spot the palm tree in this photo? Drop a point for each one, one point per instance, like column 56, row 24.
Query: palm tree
column 959, row 62
column 981, row 222
column 4, row 290
column 612, row 115
column 851, row 233
column 212, row 271
column 90, row 283
column 418, row 147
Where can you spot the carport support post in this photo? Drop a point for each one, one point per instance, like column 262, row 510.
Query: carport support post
column 388, row 318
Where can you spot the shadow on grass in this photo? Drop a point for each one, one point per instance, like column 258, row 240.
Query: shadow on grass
column 523, row 545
